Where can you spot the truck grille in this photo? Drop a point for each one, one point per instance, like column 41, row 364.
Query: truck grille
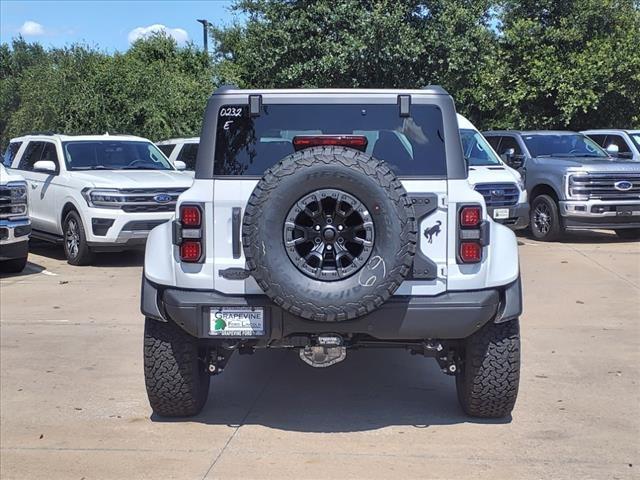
column 499, row 194
column 606, row 186
column 13, row 200
column 133, row 200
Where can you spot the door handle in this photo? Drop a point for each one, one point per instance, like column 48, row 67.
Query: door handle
column 235, row 231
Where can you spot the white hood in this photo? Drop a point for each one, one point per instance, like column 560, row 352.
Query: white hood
column 135, row 178
column 6, row 177
column 493, row 174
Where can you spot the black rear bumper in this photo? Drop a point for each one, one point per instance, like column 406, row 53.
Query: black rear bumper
column 450, row 315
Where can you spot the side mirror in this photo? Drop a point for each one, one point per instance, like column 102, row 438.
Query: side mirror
column 180, row 165
column 613, row 150
column 45, row 166
column 516, row 161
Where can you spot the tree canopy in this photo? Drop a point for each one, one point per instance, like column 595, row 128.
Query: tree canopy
column 507, row 63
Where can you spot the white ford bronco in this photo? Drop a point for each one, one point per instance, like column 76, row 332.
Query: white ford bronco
column 96, row 193
column 15, row 226
column 327, row 220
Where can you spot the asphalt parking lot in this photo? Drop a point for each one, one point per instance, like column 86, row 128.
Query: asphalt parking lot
column 73, row 404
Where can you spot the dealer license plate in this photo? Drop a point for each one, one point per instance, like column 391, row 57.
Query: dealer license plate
column 501, row 213
column 236, row 321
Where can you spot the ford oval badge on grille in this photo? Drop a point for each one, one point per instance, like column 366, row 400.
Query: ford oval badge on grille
column 623, row 185
column 162, row 198
column 497, row 192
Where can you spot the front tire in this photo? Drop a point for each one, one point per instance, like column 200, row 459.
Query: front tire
column 544, row 219
column 628, row 233
column 75, row 244
column 175, row 377
column 487, row 383
column 15, row 265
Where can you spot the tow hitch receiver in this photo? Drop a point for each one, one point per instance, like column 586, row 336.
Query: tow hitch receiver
column 327, row 351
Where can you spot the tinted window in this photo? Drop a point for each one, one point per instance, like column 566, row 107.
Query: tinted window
column 31, row 155
column 599, row 139
column 509, row 143
column 476, row 149
column 412, row 146
column 562, row 145
column 166, row 149
column 493, row 141
column 620, row 142
column 10, row 153
column 188, row 155
column 114, row 155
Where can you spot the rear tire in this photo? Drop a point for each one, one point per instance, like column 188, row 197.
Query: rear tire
column 544, row 219
column 487, row 384
column 15, row 265
column 628, row 233
column 75, row 244
column 175, row 377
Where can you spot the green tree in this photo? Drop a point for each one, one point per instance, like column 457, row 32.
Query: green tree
column 359, row 43
column 572, row 64
column 155, row 89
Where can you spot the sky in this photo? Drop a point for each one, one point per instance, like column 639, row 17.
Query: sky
column 108, row 25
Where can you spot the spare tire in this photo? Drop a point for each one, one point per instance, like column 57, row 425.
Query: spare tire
column 329, row 233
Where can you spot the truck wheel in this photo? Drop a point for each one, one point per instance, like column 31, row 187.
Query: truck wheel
column 545, row 219
column 329, row 233
column 487, row 382
column 75, row 240
column 175, row 377
column 15, row 265
column 628, row 233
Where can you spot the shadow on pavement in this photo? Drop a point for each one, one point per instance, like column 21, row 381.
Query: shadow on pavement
column 30, row 269
column 371, row 389
column 129, row 258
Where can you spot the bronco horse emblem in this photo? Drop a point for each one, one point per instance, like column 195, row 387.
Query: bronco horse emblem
column 431, row 231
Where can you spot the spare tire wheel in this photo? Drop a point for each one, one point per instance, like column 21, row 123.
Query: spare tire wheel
column 329, row 233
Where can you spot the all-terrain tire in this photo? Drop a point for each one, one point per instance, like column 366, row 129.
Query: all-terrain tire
column 628, row 233
column 175, row 377
column 357, row 174
column 487, row 382
column 555, row 228
column 73, row 226
column 15, row 265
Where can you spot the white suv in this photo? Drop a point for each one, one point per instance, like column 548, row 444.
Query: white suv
column 96, row 193
column 501, row 186
column 328, row 220
column 14, row 221
column 182, row 152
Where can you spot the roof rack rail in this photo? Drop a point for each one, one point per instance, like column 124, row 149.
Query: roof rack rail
column 44, row 132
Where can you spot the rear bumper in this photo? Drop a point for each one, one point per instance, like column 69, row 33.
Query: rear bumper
column 450, row 315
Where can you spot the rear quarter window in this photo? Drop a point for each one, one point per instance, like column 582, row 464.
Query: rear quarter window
column 412, row 146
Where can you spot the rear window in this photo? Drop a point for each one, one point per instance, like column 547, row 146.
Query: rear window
column 411, row 146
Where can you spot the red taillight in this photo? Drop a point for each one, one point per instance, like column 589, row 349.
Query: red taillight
column 470, row 252
column 470, row 216
column 190, row 250
column 190, row 216
column 359, row 142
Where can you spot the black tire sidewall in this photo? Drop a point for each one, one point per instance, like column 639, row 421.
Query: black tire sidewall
column 84, row 255
column 556, row 228
column 306, row 296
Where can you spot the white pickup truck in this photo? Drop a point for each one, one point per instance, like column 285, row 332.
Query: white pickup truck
column 15, row 226
column 96, row 193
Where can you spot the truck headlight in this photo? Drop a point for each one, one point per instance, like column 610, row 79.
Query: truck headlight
column 575, row 183
column 18, row 192
column 103, row 198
